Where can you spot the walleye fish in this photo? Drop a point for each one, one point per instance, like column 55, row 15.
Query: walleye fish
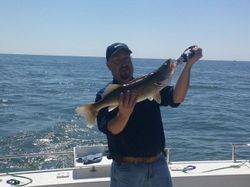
column 145, row 87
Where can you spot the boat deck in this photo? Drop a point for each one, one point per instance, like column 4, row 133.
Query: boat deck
column 189, row 174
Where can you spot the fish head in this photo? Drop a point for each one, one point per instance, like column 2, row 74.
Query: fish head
column 165, row 72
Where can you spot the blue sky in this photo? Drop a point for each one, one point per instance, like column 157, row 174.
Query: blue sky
column 152, row 29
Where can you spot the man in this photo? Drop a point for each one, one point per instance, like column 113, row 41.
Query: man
column 134, row 131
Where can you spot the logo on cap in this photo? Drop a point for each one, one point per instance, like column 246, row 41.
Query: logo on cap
column 118, row 45
column 114, row 48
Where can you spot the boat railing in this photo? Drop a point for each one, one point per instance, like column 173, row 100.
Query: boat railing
column 64, row 153
column 33, row 155
column 53, row 155
column 234, row 149
column 167, row 154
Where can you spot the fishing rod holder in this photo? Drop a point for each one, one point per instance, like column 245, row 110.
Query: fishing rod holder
column 234, row 146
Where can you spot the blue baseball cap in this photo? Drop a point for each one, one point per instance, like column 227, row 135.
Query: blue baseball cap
column 114, row 48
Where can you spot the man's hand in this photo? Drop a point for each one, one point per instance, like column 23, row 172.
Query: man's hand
column 127, row 103
column 197, row 55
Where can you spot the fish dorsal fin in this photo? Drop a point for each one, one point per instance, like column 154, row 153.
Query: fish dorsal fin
column 110, row 88
column 137, row 79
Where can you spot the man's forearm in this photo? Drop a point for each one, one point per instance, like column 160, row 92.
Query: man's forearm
column 181, row 87
column 182, row 84
column 117, row 124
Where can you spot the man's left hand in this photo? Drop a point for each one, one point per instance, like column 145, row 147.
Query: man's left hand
column 197, row 55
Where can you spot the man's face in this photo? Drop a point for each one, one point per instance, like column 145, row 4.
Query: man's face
column 121, row 66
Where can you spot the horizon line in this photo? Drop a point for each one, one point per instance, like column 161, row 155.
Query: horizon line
column 50, row 55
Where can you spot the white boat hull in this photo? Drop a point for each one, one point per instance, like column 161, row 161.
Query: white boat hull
column 223, row 173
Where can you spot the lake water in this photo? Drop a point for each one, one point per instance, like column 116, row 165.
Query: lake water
column 39, row 94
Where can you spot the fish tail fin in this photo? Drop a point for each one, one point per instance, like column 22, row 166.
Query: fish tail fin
column 89, row 112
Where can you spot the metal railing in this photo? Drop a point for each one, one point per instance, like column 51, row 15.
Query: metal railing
column 167, row 152
column 234, row 146
column 33, row 155
column 60, row 159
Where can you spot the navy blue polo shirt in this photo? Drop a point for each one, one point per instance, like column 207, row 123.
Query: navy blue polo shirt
column 143, row 135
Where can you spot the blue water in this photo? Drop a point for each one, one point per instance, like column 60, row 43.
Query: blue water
column 39, row 94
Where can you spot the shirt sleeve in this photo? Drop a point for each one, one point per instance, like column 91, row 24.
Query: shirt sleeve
column 101, row 116
column 167, row 97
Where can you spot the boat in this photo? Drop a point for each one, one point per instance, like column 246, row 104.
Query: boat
column 92, row 169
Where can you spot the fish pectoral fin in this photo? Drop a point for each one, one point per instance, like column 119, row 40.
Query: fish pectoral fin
column 159, row 84
column 110, row 88
column 157, row 97
column 150, row 98
column 111, row 108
